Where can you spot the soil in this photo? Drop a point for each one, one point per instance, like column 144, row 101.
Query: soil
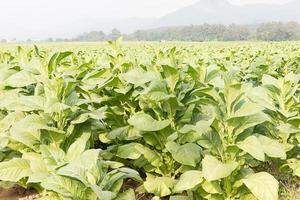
column 18, row 193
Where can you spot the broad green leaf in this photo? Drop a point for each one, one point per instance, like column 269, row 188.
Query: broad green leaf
column 53, row 105
column 188, row 180
column 105, row 195
column 171, row 75
column 15, row 169
column 160, row 186
column 97, row 115
column 56, row 59
column 272, row 147
column 270, row 82
column 38, row 164
column 20, row 79
column 85, row 167
column 113, row 180
column 262, row 185
column 151, row 156
column 78, row 147
column 212, row 187
column 248, row 197
column 247, row 109
column 145, row 122
column 239, row 124
column 137, row 76
column 38, row 177
column 187, row 154
column 54, row 155
column 51, row 196
column 213, row 169
column 179, row 198
column 9, row 120
column 253, row 146
column 211, row 140
column 13, row 101
column 157, row 91
column 28, row 130
column 127, row 195
column 67, row 187
column 130, row 151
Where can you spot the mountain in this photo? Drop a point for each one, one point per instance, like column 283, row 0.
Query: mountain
column 224, row 12
column 204, row 11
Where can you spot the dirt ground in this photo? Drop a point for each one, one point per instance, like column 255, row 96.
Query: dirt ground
column 17, row 193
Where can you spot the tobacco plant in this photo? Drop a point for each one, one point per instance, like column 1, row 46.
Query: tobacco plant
column 193, row 121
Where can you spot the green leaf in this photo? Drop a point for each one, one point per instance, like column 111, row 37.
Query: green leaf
column 262, row 185
column 179, row 198
column 67, row 187
column 137, row 76
column 37, row 177
column 211, row 140
column 239, row 124
column 97, row 115
column 53, row 155
column 157, row 91
column 171, row 76
column 213, row 169
column 113, row 180
column 56, row 59
column 144, row 122
column 9, row 120
column 151, row 156
column 85, row 167
column 127, row 195
column 188, row 180
column 129, row 151
column 78, row 147
column 294, row 164
column 271, row 83
column 253, row 146
column 272, row 147
column 187, row 154
column 28, row 130
column 15, row 169
column 212, row 187
column 20, row 79
column 53, row 105
column 160, row 186
column 10, row 100
column 103, row 195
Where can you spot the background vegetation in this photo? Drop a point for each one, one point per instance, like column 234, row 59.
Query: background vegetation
column 273, row 31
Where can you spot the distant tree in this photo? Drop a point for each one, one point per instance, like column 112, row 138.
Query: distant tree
column 236, row 32
column 92, row 36
column 278, row 31
column 115, row 34
column 274, row 31
column 49, row 40
column 3, row 41
column 294, row 28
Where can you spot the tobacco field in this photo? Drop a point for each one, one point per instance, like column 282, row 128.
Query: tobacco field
column 142, row 121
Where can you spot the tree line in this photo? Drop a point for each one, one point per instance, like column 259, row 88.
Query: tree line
column 272, row 31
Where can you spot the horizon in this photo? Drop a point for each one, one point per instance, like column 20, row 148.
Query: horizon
column 38, row 20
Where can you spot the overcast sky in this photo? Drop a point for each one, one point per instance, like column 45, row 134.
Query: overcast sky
column 33, row 18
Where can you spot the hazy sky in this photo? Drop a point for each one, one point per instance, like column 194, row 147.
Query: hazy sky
column 32, row 18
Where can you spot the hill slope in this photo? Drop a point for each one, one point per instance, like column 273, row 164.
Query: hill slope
column 223, row 12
